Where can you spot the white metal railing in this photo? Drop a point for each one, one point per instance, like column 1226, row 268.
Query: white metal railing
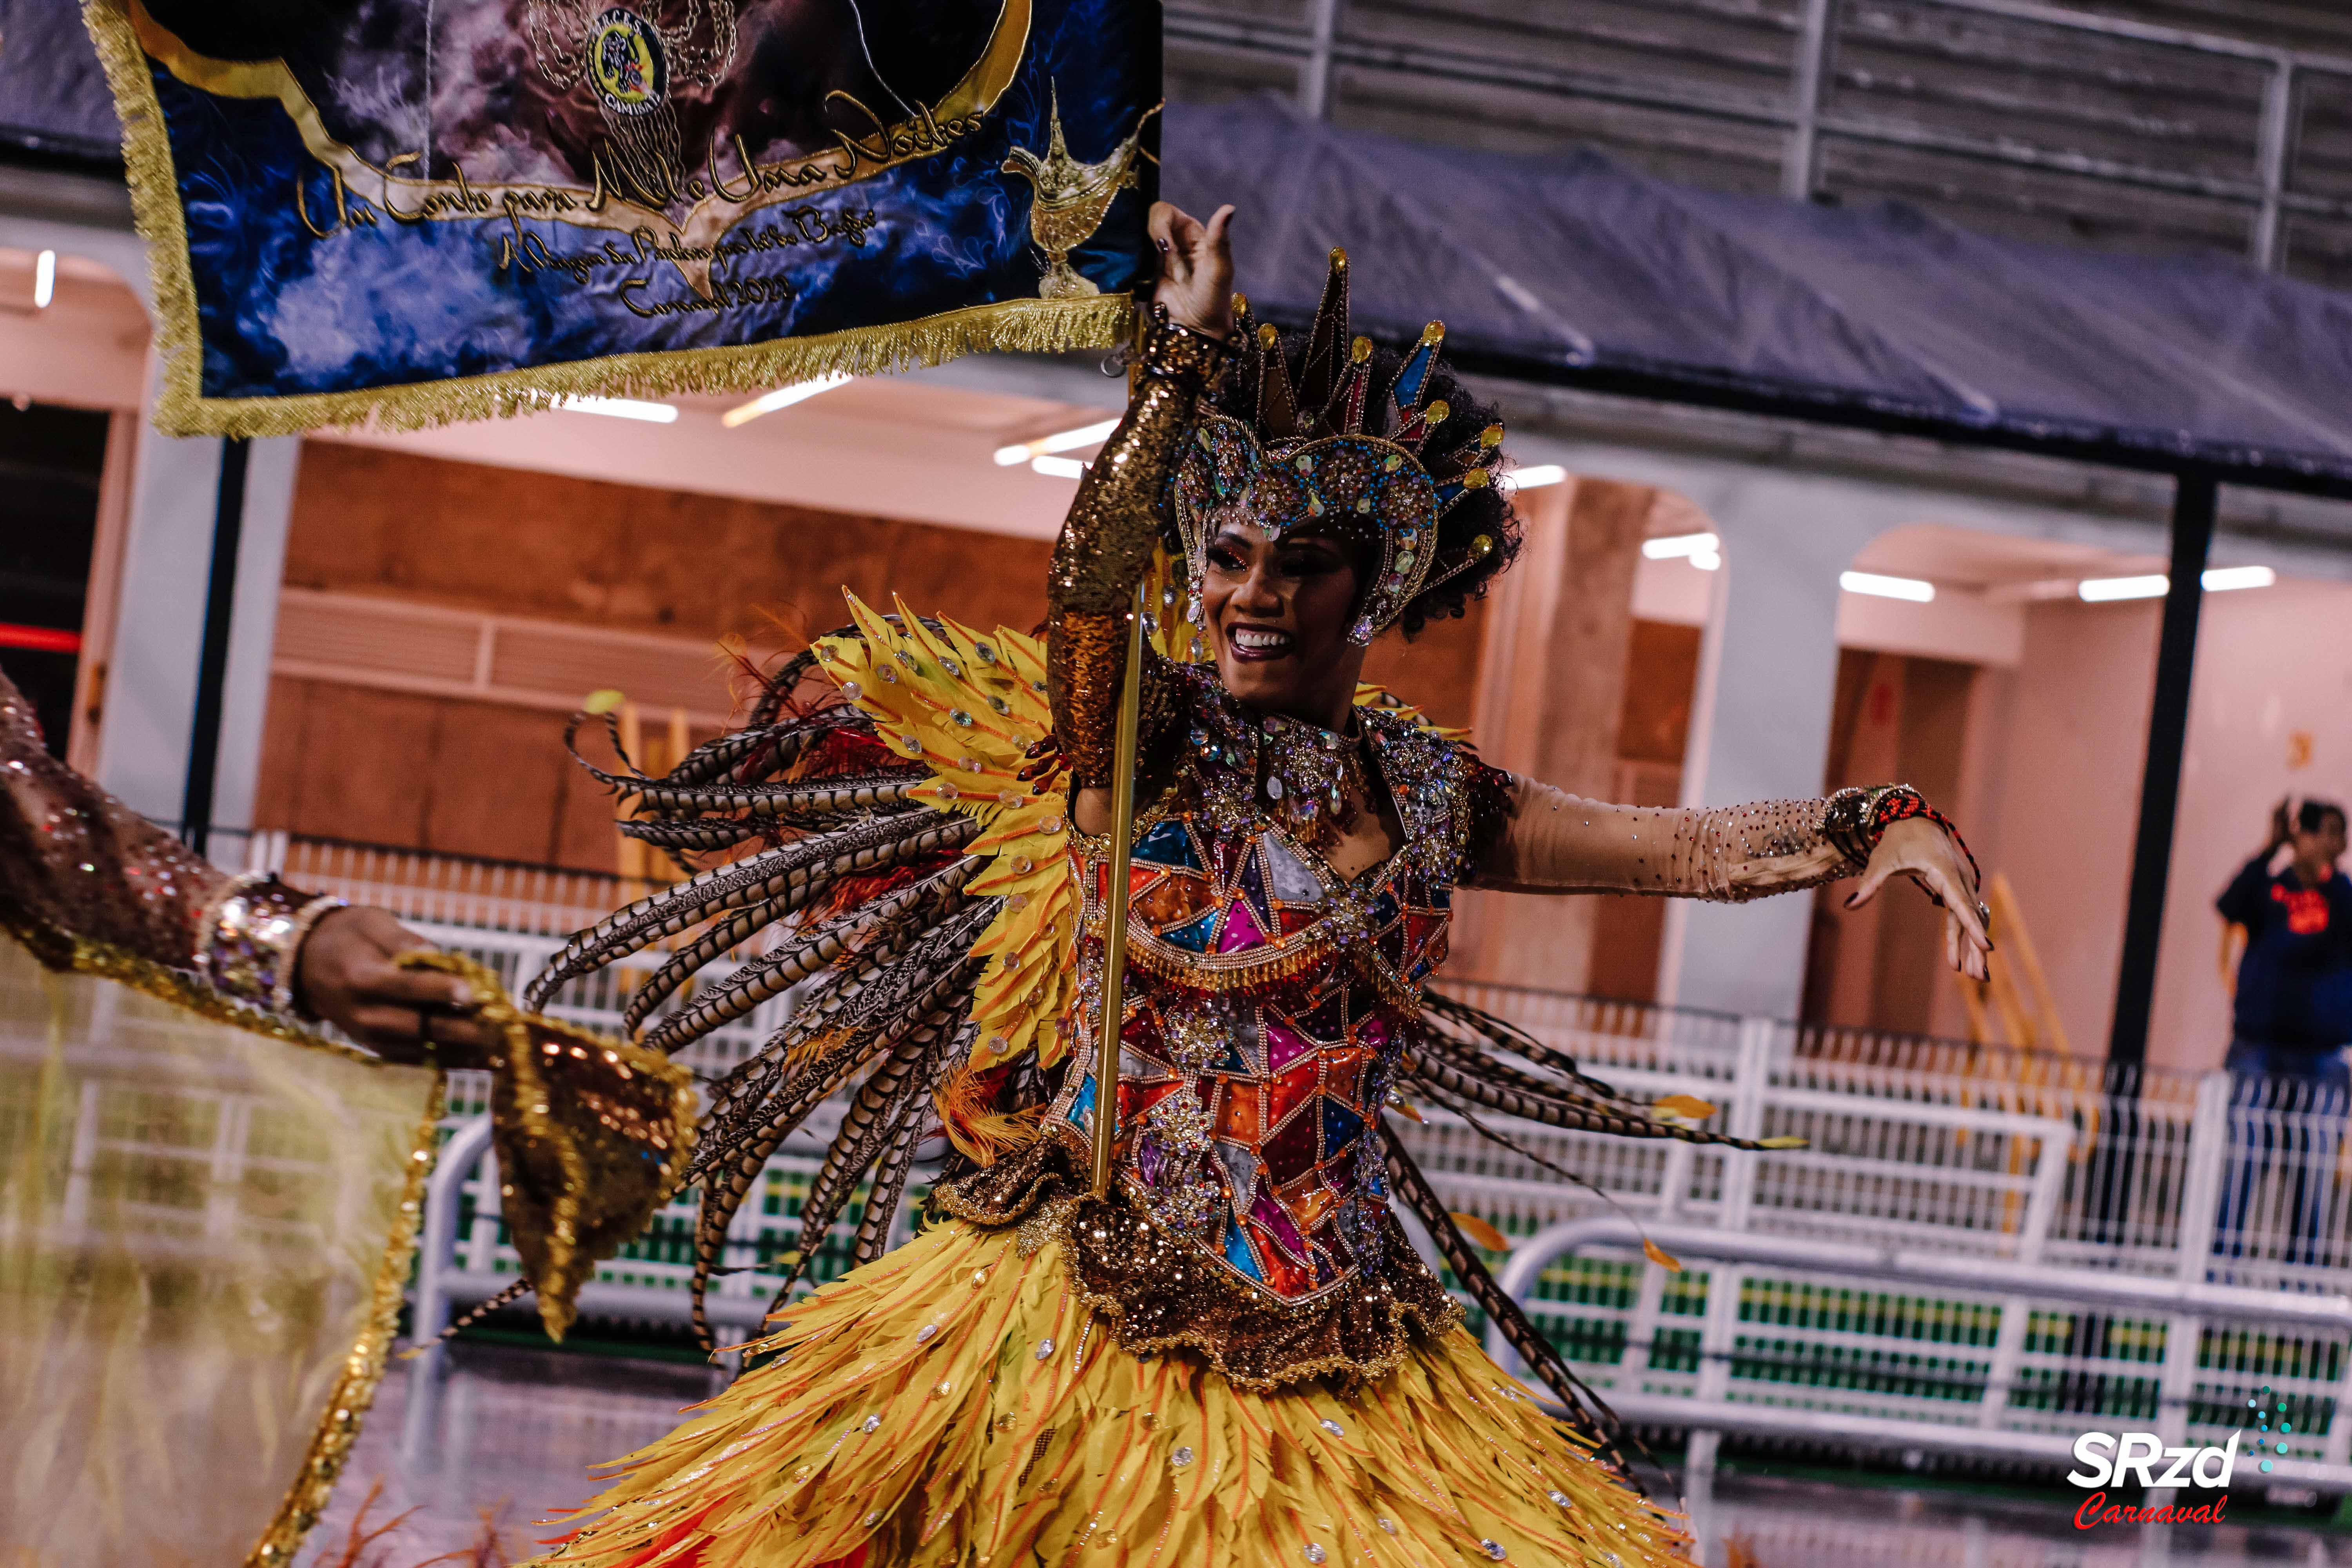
column 1999, row 1166
column 1733, row 1379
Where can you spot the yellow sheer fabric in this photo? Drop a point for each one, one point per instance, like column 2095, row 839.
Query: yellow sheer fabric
column 204, row 1234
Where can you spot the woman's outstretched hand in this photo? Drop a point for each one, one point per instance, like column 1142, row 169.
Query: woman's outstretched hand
column 1919, row 849
column 1196, row 267
column 345, row 974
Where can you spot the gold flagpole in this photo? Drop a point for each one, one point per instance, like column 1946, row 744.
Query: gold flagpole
column 1122, row 834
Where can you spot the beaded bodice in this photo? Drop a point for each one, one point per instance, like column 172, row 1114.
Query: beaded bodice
column 1268, row 998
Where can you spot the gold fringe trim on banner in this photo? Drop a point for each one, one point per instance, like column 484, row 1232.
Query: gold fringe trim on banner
column 1032, row 326
column 363, row 1366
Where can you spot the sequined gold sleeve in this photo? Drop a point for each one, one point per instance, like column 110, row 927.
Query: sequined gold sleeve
column 76, row 864
column 1106, row 543
column 1556, row 843
column 75, row 861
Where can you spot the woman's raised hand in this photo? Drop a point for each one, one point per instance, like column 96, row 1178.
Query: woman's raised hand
column 1921, row 850
column 1196, row 267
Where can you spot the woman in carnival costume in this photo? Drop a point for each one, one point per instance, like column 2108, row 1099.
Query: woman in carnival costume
column 1201, row 1338
column 1228, row 1353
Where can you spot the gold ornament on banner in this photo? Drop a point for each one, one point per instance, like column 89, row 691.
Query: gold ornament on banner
column 1071, row 200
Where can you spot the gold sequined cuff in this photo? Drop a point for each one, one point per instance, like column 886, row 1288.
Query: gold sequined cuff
column 251, row 935
column 1173, row 351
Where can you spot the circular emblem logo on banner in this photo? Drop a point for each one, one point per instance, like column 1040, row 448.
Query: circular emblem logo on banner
column 625, row 59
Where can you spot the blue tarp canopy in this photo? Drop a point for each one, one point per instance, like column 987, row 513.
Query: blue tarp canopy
column 1574, row 268
column 1577, row 270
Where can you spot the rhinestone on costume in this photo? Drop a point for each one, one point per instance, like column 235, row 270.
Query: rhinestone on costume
column 960, row 717
column 1045, row 1348
column 1493, row 1548
column 1561, row 1499
column 1180, row 1458
column 850, row 689
column 1387, row 1525
column 870, row 1520
column 928, row 1331
column 1315, row 1553
column 987, row 654
column 873, row 1422
column 1332, row 1426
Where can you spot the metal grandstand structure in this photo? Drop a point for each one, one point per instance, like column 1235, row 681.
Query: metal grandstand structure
column 2154, row 126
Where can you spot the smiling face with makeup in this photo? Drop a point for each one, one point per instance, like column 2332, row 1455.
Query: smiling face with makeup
column 1278, row 613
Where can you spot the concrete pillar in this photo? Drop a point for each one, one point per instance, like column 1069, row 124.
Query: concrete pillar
column 152, row 632
column 149, row 717
column 1768, row 677
column 1761, row 728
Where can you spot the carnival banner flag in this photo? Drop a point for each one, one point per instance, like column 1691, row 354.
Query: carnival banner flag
column 414, row 211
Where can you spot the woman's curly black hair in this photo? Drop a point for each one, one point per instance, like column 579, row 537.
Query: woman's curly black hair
column 1480, row 511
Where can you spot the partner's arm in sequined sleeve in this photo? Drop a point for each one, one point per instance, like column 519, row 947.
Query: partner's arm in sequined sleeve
column 1555, row 843
column 75, row 862
column 1106, row 543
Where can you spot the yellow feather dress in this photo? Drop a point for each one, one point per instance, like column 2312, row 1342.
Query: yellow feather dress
column 962, row 1402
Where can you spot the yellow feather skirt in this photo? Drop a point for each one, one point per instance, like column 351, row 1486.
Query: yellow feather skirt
column 956, row 1404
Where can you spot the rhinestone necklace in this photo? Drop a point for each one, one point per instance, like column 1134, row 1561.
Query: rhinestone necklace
column 1312, row 777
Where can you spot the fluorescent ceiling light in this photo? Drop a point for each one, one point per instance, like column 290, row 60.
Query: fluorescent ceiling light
column 1542, row 474
column 45, row 279
column 1058, row 468
column 621, row 408
column 1681, row 544
column 2104, row 590
column 1060, row 441
column 783, row 397
column 1870, row 583
column 2221, row 579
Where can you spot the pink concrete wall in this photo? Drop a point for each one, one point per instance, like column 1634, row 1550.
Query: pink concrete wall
column 2271, row 715
column 2062, row 782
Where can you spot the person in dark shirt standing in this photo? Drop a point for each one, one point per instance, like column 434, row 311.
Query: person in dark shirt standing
column 2292, row 1017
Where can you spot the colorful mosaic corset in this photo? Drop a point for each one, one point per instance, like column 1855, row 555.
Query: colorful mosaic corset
column 1267, row 1001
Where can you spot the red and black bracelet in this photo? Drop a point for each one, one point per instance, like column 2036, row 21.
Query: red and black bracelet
column 1856, row 819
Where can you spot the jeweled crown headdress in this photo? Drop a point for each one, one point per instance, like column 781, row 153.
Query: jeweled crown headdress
column 1308, row 459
